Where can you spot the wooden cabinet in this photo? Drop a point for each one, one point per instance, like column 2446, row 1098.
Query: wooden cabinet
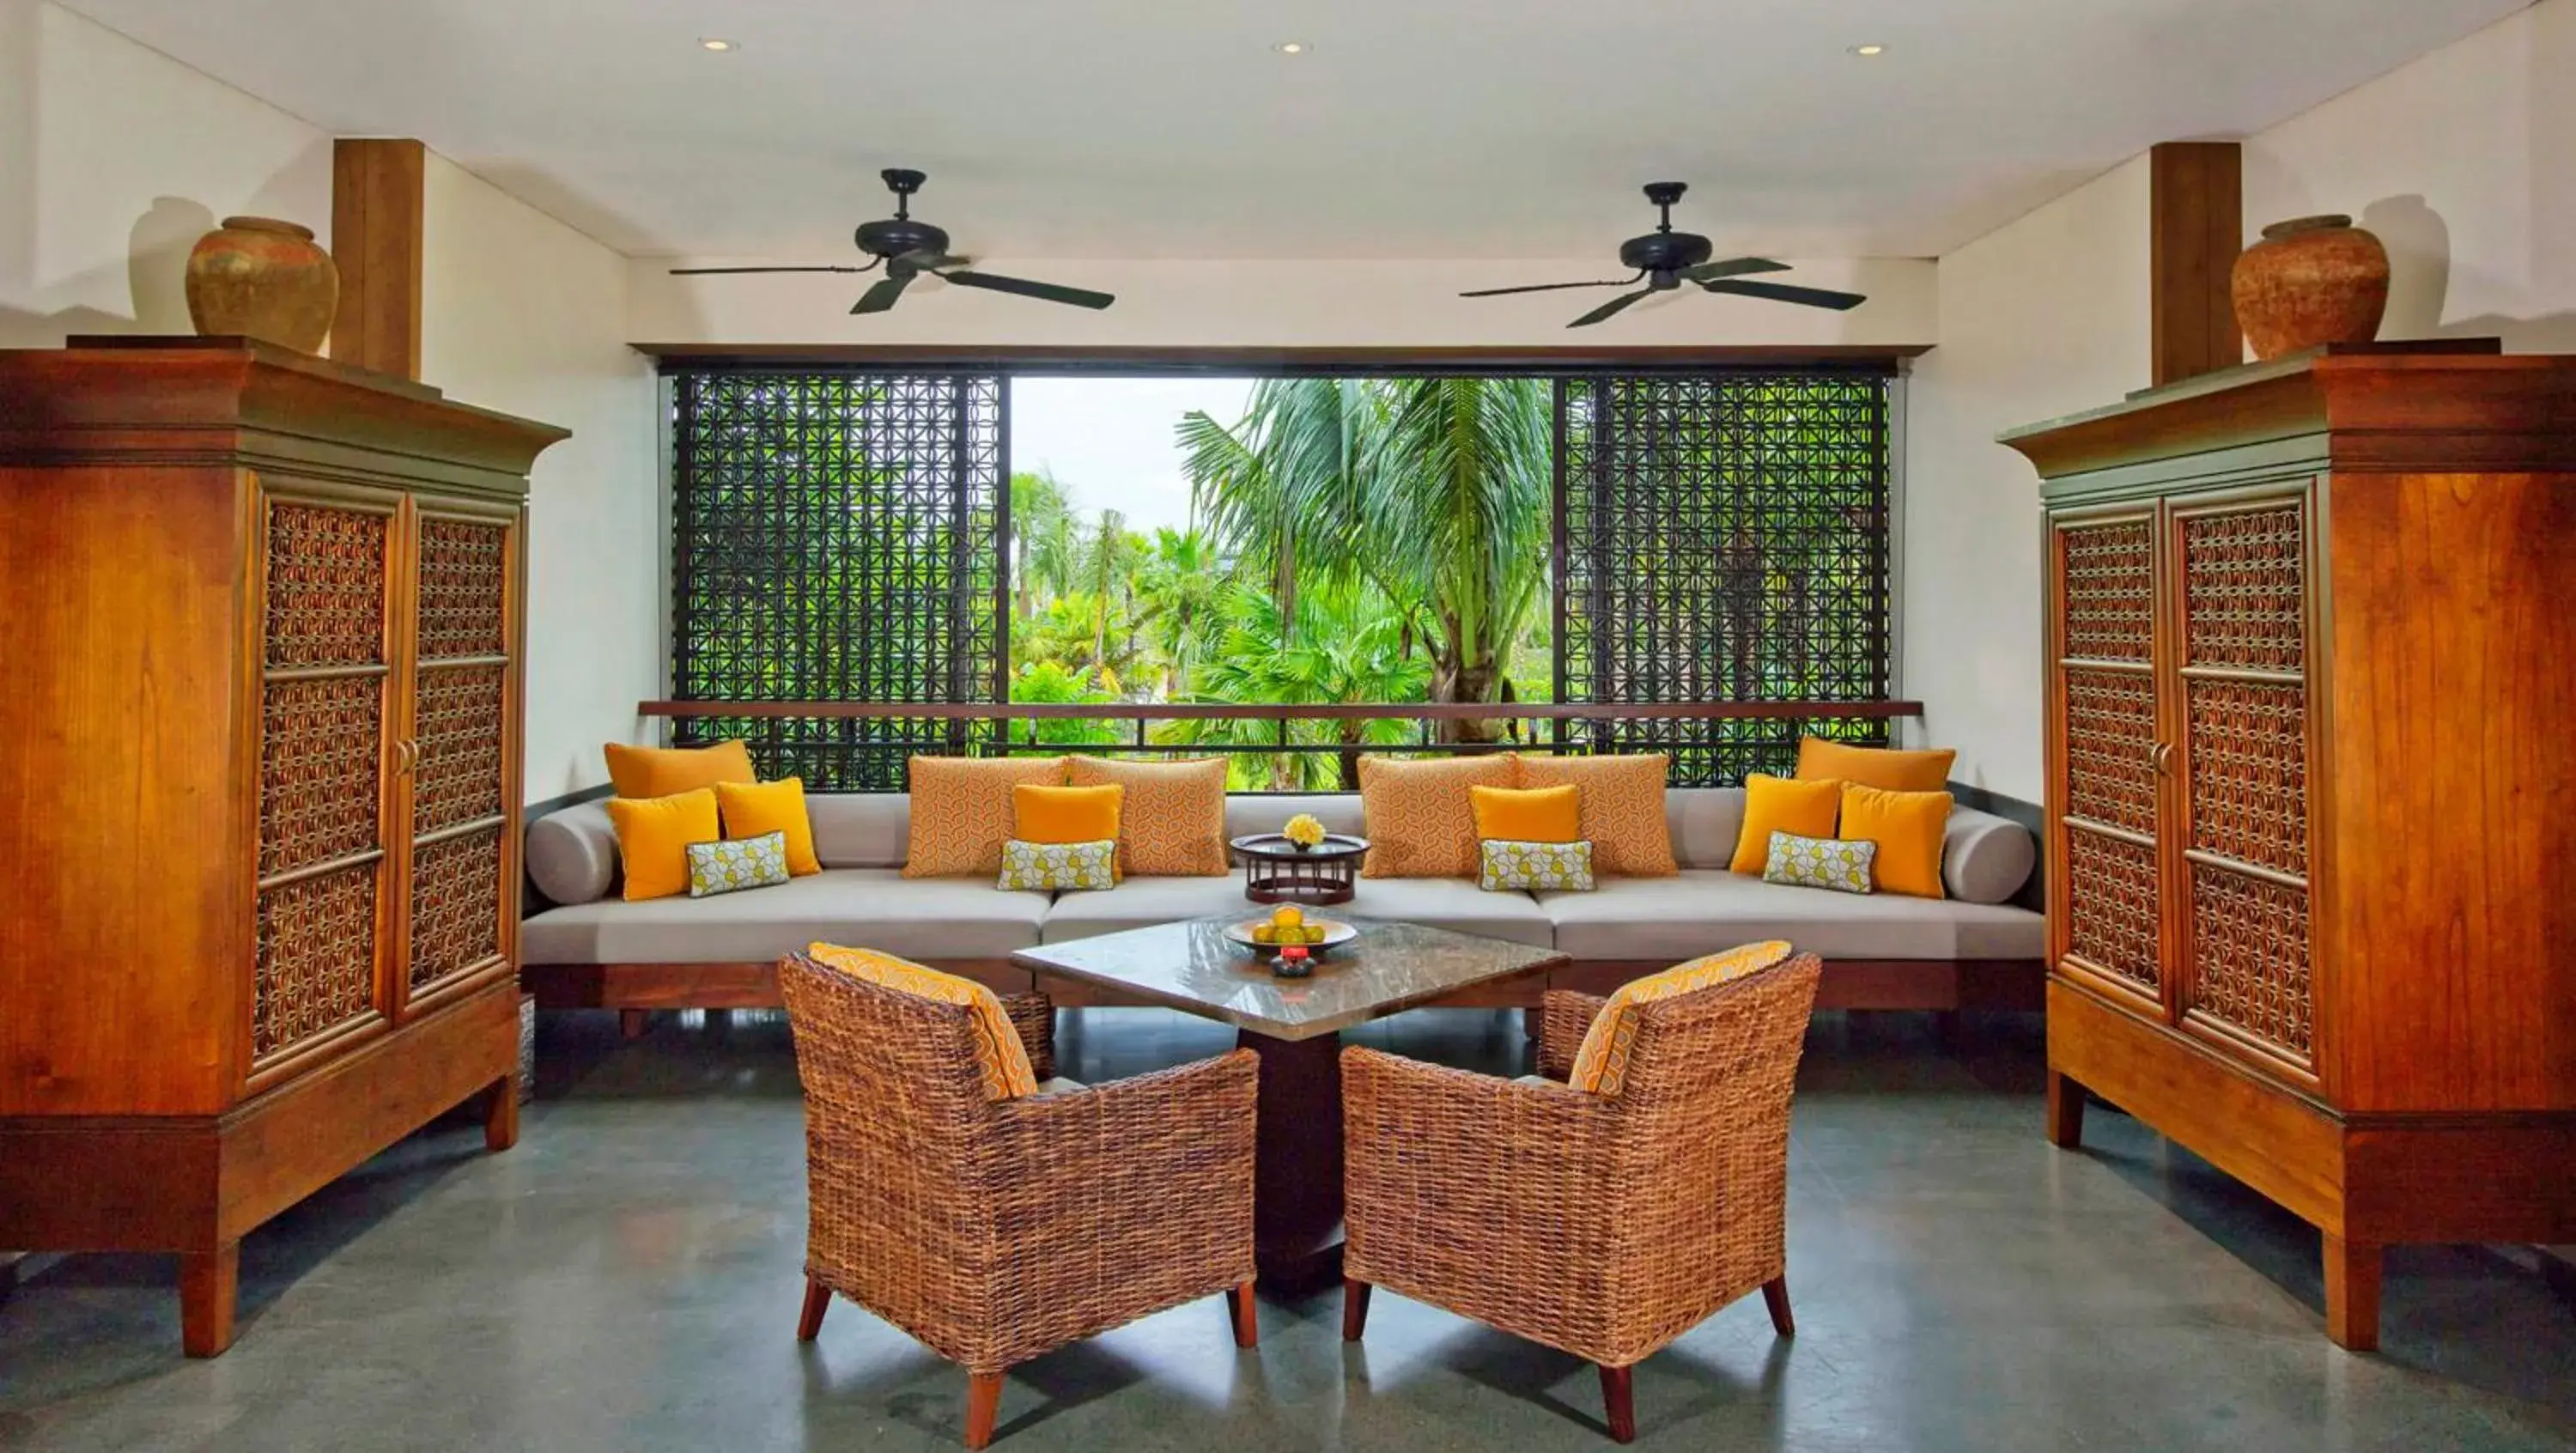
column 264, row 625
column 2310, row 681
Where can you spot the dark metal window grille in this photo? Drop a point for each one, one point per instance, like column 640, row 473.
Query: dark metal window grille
column 839, row 537
column 1722, row 538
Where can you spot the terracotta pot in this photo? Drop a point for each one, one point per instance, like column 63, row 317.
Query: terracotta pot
column 264, row 279
column 2312, row 281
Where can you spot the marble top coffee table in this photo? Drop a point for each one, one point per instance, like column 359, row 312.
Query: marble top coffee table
column 1294, row 1025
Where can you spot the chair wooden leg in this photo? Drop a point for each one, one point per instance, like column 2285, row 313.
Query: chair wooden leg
column 1247, row 1322
column 631, row 1022
column 1775, row 1296
column 2352, row 1294
column 1355, row 1299
column 501, row 1114
column 818, row 1300
column 209, row 1287
column 983, row 1400
column 2065, row 1112
column 1618, row 1398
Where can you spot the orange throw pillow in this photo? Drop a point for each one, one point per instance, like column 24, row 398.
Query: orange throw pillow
column 1601, row 1063
column 1001, row 1058
column 1528, row 814
column 1623, row 808
column 653, row 838
column 1418, row 819
column 1777, row 804
column 664, row 771
column 1065, row 814
column 1820, row 760
column 752, row 809
column 1908, row 827
column 961, row 811
column 1172, row 824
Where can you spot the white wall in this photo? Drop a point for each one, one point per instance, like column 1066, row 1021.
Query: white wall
column 114, row 159
column 523, row 314
column 2464, row 163
column 2047, row 316
column 1275, row 304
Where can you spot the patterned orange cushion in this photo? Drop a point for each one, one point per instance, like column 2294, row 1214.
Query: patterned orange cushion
column 1601, row 1065
column 1172, row 823
column 1882, row 767
column 1000, row 1058
column 1623, row 809
column 1417, row 818
column 961, row 811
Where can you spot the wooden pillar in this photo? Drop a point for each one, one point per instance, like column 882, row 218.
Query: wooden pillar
column 2196, row 213
column 375, row 238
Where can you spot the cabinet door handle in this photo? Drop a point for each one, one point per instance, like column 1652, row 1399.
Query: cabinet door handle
column 2162, row 756
column 406, row 756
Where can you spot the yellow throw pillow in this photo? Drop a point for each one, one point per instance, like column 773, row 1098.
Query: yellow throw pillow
column 1065, row 814
column 1777, row 804
column 961, row 811
column 653, row 837
column 1623, row 808
column 754, row 808
column 1601, row 1065
column 1418, row 820
column 1908, row 828
column 1820, row 760
column 1000, row 1058
column 1172, row 822
column 667, row 771
column 1528, row 814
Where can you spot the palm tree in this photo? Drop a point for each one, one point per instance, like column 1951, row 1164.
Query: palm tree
column 1176, row 587
column 1430, row 492
column 1343, row 646
column 1106, row 569
column 1042, row 541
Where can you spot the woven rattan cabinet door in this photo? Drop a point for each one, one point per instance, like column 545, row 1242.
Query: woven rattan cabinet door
column 2106, row 832
column 461, row 757
column 328, row 575
column 2241, row 566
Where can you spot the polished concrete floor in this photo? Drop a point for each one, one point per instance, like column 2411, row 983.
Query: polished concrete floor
column 627, row 1279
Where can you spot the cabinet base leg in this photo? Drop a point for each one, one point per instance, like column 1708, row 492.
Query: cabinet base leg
column 501, row 1114
column 209, row 1287
column 2065, row 1111
column 2352, row 1294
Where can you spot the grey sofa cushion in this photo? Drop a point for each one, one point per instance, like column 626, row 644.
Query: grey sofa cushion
column 1249, row 813
column 917, row 918
column 572, row 854
column 1456, row 904
column 1667, row 920
column 1143, row 902
column 861, row 829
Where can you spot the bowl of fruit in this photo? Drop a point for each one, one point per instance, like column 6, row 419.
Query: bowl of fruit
column 1288, row 927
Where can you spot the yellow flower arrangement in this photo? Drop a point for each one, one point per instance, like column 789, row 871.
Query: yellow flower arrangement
column 1303, row 830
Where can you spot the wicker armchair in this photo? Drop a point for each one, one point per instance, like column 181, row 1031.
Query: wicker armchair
column 1605, row 1227
column 998, row 1230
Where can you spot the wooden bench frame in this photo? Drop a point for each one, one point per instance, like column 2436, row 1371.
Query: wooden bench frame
column 1935, row 985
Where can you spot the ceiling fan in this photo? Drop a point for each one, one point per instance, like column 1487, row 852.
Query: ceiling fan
column 1665, row 259
column 907, row 249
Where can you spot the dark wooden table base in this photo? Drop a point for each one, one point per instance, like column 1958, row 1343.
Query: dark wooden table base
column 1297, row 1180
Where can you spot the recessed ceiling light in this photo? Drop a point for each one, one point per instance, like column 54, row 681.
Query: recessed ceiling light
column 1869, row 50
column 1290, row 47
column 714, row 42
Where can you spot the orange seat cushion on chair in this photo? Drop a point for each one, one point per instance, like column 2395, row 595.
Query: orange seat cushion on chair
column 1172, row 821
column 1909, row 828
column 1417, row 816
column 1820, row 760
column 653, row 838
column 1601, row 1065
column 1623, row 808
column 1777, row 804
column 1000, row 1058
column 1528, row 814
column 962, row 811
column 752, row 809
column 665, row 771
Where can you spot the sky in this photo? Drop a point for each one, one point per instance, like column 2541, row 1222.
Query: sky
column 1108, row 441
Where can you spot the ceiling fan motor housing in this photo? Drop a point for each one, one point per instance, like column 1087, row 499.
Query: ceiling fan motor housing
column 898, row 235
column 1665, row 252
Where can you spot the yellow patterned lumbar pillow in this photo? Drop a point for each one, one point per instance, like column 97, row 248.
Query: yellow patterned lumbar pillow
column 1601, row 1065
column 1000, row 1058
column 1069, row 866
column 1508, row 865
column 1807, row 862
column 737, row 863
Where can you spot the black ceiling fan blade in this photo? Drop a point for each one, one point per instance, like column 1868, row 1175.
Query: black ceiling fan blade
column 1731, row 267
column 704, row 271
column 881, row 297
column 1783, row 293
column 1610, row 309
column 1615, row 282
column 1049, row 292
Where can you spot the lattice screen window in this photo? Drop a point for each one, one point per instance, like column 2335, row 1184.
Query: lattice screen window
column 1725, row 537
column 838, row 537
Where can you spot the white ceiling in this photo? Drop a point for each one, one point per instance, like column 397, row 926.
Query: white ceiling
column 1411, row 128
